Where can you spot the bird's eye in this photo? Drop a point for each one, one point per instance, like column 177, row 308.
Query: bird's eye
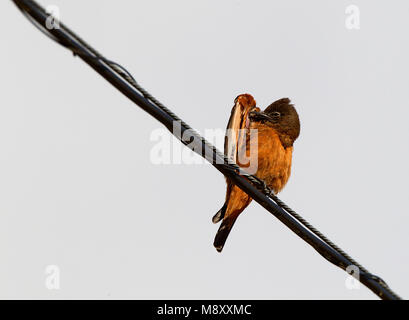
column 276, row 114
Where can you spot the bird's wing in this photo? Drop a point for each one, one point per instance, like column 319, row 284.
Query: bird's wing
column 235, row 134
column 230, row 140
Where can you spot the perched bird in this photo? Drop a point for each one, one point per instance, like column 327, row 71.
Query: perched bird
column 278, row 126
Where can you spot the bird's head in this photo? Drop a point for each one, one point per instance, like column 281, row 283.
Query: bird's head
column 282, row 116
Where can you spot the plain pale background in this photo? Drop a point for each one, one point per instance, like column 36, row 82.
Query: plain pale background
column 78, row 189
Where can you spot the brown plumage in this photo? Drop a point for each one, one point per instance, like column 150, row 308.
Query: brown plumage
column 277, row 128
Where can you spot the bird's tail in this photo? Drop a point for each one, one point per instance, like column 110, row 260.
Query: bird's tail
column 223, row 232
column 220, row 214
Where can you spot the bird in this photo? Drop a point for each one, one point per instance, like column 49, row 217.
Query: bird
column 277, row 128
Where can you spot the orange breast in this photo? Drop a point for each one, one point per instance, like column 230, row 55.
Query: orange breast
column 268, row 159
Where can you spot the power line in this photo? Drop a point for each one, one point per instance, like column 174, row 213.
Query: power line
column 120, row 78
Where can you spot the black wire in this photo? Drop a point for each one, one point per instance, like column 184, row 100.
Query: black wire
column 228, row 164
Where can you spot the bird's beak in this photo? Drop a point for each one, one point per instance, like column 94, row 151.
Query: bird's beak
column 258, row 116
